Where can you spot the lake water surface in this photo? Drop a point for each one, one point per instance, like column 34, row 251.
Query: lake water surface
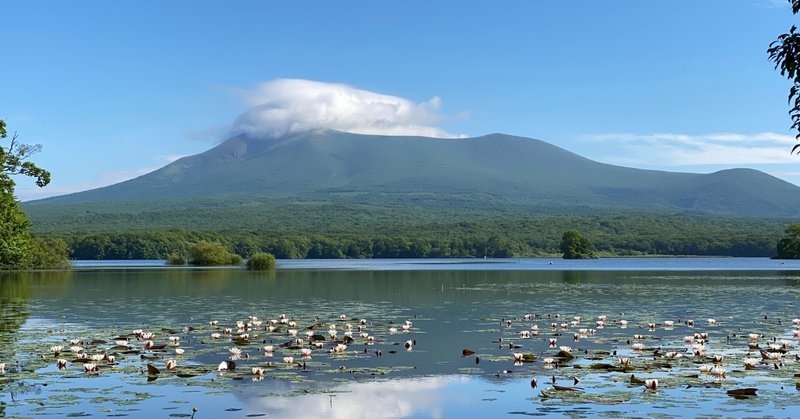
column 494, row 308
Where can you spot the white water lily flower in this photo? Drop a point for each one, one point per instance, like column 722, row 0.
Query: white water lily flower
column 56, row 350
column 76, row 349
column 754, row 336
column 751, row 362
column 269, row 348
column 305, row 352
column 174, row 339
column 121, row 342
column 288, row 359
column 517, row 356
column 624, row 361
column 651, row 384
column 548, row 361
column 392, row 330
column 712, row 321
column 566, row 349
column 90, row 367
column 97, row 357
column 215, row 336
column 706, row 368
column 171, row 364
column 257, row 371
column 638, row 346
column 179, row 351
column 669, row 323
column 235, row 352
column 673, row 355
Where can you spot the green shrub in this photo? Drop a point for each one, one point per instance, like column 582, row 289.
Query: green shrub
column 49, row 253
column 175, row 258
column 206, row 253
column 261, row 261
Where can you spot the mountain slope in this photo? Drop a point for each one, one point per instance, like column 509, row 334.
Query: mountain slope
column 493, row 171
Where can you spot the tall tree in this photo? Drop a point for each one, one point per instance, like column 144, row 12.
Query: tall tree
column 785, row 53
column 18, row 250
column 575, row 246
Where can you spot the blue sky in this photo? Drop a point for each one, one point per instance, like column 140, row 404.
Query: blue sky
column 116, row 89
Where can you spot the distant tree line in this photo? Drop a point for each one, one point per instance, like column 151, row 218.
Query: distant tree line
column 416, row 244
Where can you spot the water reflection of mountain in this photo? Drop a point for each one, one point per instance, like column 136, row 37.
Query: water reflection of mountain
column 90, row 293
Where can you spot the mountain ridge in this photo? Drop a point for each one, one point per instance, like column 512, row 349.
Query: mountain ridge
column 490, row 170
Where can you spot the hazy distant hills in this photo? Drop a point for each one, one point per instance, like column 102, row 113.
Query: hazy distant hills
column 492, row 171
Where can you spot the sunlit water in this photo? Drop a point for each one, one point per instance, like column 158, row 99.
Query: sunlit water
column 451, row 305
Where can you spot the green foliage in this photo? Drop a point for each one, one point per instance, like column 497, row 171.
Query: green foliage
column 15, row 241
column 575, row 246
column 327, row 232
column 205, row 253
column 50, row 253
column 785, row 53
column 175, row 258
column 261, row 261
column 18, row 250
column 789, row 246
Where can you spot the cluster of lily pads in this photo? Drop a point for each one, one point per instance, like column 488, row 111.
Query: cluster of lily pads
column 244, row 347
column 682, row 353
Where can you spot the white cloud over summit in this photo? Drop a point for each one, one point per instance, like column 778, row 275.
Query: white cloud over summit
column 288, row 106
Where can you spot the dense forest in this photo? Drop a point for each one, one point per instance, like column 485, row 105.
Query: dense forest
column 623, row 234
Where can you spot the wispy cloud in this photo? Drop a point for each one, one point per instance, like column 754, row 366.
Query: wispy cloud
column 287, row 106
column 670, row 149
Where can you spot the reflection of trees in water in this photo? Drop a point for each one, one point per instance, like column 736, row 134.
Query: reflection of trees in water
column 16, row 289
column 14, row 294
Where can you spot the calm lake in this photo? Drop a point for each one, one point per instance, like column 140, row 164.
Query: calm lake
column 611, row 319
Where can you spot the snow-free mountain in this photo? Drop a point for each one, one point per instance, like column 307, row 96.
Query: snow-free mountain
column 492, row 171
